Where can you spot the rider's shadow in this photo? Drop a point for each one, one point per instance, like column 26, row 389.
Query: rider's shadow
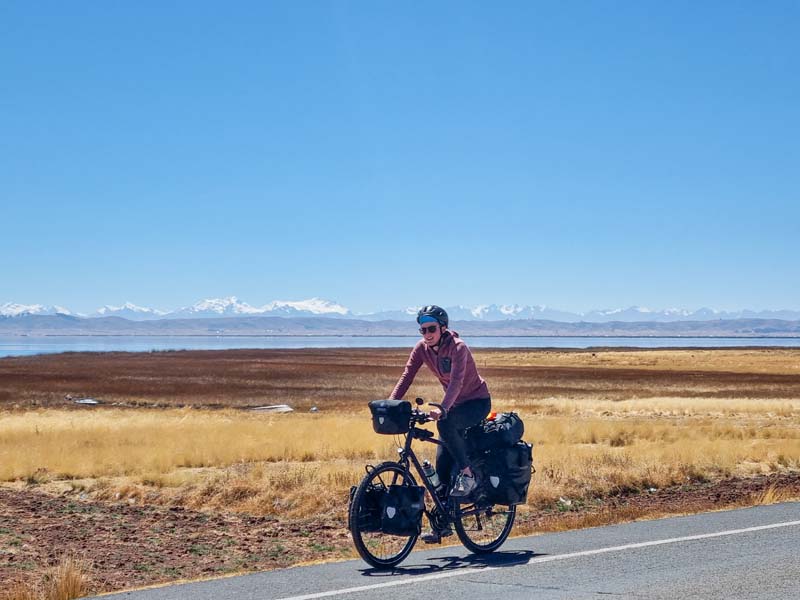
column 438, row 564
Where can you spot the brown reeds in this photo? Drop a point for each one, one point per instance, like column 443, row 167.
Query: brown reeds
column 341, row 379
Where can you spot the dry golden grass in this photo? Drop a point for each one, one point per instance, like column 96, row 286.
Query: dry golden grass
column 303, row 464
column 773, row 495
column 21, row 591
column 68, row 580
column 295, row 464
column 68, row 444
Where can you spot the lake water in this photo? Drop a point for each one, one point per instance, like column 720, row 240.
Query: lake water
column 28, row 345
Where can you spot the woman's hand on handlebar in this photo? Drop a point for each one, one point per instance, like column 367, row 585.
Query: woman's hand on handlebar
column 438, row 412
column 435, row 414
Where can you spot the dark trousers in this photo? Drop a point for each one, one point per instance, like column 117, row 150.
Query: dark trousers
column 452, row 457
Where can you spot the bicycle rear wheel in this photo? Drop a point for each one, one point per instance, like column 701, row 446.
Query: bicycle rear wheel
column 381, row 550
column 484, row 529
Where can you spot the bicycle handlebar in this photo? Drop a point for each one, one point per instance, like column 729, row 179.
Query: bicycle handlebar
column 420, row 416
column 440, row 407
column 423, row 417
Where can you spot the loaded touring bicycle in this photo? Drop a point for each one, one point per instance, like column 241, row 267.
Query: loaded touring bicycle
column 387, row 506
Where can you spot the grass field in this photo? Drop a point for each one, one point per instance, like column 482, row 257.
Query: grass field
column 299, row 464
column 172, row 431
column 600, row 420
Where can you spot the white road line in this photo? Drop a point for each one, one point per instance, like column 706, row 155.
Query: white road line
column 536, row 560
column 688, row 538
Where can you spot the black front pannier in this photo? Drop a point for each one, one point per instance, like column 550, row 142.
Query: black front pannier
column 369, row 512
column 391, row 416
column 506, row 473
column 503, row 431
column 402, row 510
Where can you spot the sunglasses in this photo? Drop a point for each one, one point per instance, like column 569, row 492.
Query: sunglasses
column 431, row 329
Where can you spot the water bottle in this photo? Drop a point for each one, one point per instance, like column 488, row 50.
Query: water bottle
column 430, row 473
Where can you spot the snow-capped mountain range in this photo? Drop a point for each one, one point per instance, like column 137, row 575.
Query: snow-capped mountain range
column 12, row 309
column 232, row 307
column 317, row 307
column 633, row 314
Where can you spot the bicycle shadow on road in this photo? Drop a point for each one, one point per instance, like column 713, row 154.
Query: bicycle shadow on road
column 438, row 564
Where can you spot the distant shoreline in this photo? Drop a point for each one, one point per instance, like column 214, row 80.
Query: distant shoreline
column 58, row 343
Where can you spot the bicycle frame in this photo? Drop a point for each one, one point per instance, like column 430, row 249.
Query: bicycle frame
column 407, row 453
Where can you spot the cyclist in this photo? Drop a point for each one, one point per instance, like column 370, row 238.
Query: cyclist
column 466, row 399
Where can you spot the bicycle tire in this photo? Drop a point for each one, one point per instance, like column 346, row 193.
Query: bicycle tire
column 483, row 530
column 380, row 550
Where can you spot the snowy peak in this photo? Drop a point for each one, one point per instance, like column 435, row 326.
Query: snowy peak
column 314, row 306
column 129, row 311
column 403, row 314
column 640, row 313
column 505, row 312
column 12, row 309
column 232, row 306
column 215, row 307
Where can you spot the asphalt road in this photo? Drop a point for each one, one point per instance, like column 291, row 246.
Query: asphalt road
column 746, row 553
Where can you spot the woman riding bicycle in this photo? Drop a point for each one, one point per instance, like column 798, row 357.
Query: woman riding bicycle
column 466, row 400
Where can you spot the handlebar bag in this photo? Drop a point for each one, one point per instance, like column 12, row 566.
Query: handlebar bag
column 391, row 417
column 369, row 511
column 402, row 510
column 506, row 473
column 503, row 431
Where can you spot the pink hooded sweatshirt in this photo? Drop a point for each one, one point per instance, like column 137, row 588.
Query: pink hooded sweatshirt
column 453, row 365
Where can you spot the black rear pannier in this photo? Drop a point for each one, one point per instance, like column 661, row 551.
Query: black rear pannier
column 391, row 416
column 369, row 512
column 402, row 510
column 506, row 473
column 503, row 431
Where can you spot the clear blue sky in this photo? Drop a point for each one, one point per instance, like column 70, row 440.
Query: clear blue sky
column 381, row 154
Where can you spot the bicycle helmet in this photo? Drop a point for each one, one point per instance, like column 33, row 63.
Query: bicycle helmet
column 435, row 312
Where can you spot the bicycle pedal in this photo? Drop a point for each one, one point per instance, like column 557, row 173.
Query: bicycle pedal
column 435, row 537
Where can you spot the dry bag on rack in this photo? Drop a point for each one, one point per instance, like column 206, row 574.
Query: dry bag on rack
column 391, row 416
column 402, row 510
column 502, row 431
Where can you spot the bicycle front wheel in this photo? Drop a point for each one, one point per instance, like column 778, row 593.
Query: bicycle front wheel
column 481, row 529
column 381, row 550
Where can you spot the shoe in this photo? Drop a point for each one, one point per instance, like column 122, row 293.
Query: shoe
column 464, row 486
column 434, row 536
